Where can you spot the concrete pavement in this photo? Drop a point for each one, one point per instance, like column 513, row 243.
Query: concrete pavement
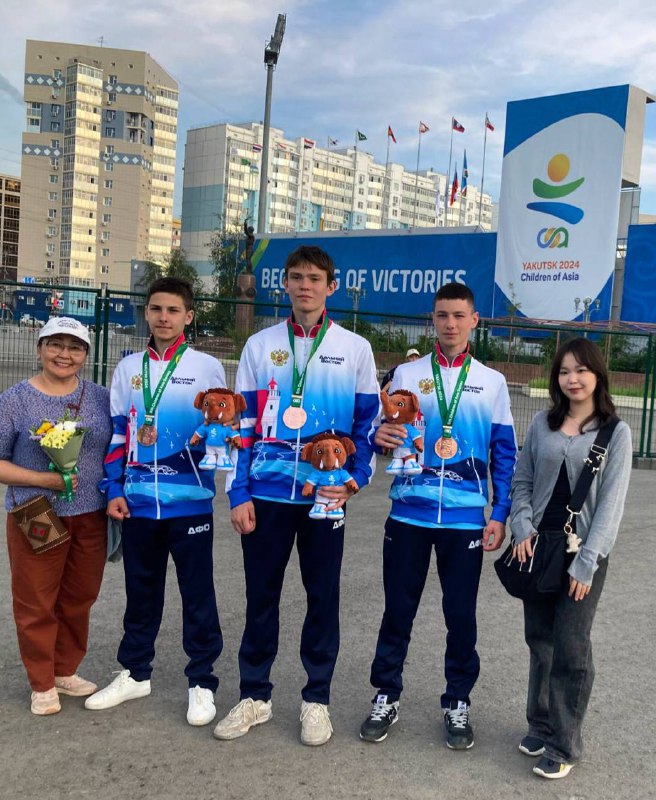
column 145, row 749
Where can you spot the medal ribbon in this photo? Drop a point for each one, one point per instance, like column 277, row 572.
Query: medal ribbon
column 151, row 401
column 298, row 379
column 449, row 414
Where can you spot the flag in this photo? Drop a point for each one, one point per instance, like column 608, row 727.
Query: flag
column 308, row 144
column 390, row 134
column 488, row 124
column 454, row 188
column 257, row 148
column 360, row 137
column 457, row 126
column 423, row 128
column 245, row 162
column 465, row 175
column 332, row 142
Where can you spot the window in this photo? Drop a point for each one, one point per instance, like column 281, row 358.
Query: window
column 110, row 133
column 50, row 265
column 109, row 167
column 55, row 126
column 55, row 110
column 109, row 149
column 52, row 195
column 105, row 252
column 106, row 218
column 104, row 236
column 50, row 248
column 54, row 179
column 52, row 213
column 56, row 74
column 110, row 116
column 113, row 80
column 111, row 97
column 54, row 143
column 54, row 162
column 52, row 230
column 104, row 269
column 109, row 184
column 107, row 201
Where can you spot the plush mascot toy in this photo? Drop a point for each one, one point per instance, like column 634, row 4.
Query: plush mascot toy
column 327, row 453
column 401, row 408
column 219, row 429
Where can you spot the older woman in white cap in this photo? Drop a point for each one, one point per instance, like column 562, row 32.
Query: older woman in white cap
column 53, row 591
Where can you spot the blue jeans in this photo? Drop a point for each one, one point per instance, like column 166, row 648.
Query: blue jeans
column 561, row 673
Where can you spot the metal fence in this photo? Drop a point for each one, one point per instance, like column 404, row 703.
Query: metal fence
column 522, row 352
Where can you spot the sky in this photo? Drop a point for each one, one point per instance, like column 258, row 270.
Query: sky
column 350, row 65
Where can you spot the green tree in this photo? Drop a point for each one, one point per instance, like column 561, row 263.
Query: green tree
column 224, row 247
column 175, row 266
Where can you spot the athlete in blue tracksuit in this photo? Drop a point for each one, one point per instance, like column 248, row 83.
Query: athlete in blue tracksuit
column 333, row 371
column 442, row 510
column 164, row 502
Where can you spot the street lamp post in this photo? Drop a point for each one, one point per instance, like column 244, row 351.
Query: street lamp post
column 587, row 305
column 275, row 295
column 356, row 294
column 271, row 53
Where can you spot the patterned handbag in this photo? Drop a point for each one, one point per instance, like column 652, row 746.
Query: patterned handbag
column 42, row 527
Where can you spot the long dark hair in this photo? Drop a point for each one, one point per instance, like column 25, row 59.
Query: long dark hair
column 588, row 355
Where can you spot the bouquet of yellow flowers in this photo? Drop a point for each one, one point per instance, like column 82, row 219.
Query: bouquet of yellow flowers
column 61, row 441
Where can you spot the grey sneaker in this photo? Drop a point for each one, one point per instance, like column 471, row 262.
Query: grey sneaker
column 316, row 727
column 242, row 718
column 122, row 688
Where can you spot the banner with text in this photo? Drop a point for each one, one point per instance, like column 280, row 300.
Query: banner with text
column 388, row 274
column 559, row 205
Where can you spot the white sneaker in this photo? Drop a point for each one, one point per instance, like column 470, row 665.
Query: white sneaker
column 316, row 727
column 201, row 706
column 122, row 688
column 242, row 717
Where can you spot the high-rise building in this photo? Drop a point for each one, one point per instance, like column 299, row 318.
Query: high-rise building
column 10, row 188
column 311, row 188
column 98, row 163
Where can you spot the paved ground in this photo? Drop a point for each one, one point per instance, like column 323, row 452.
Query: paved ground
column 145, row 749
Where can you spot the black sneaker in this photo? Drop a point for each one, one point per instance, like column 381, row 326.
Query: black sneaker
column 548, row 768
column 459, row 733
column 531, row 746
column 383, row 715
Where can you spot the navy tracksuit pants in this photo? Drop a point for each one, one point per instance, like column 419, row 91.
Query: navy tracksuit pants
column 146, row 547
column 407, row 552
column 266, row 552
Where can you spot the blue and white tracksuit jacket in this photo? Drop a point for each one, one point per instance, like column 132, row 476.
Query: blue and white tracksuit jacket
column 161, row 481
column 341, row 395
column 454, row 493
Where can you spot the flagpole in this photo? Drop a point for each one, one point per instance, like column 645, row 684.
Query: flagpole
column 325, row 188
column 386, row 186
column 355, row 162
column 414, row 219
column 448, row 180
column 480, row 199
column 300, row 188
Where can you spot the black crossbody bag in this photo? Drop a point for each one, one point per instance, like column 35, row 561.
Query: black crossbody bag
column 545, row 572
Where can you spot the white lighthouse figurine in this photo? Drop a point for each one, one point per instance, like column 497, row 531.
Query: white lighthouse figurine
column 131, row 444
column 270, row 415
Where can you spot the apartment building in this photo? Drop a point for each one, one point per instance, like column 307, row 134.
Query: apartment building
column 98, row 163
column 10, row 188
column 311, row 188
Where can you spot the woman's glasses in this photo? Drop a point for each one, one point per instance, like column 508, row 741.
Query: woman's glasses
column 55, row 347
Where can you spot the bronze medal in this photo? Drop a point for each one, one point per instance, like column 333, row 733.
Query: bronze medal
column 147, row 435
column 294, row 417
column 446, row 449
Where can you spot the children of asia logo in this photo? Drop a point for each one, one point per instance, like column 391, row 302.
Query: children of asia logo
column 552, row 193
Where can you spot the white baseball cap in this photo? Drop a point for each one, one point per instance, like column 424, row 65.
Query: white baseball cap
column 65, row 325
column 412, row 352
